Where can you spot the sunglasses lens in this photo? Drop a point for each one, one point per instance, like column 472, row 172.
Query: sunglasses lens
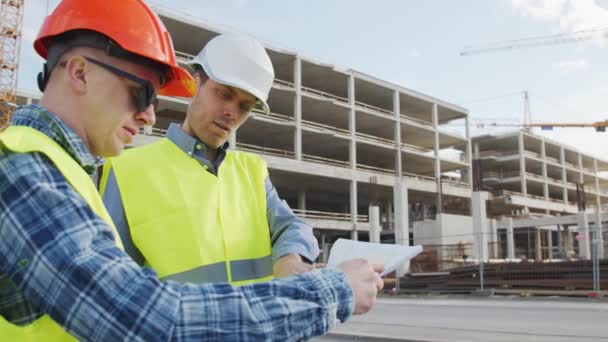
column 139, row 99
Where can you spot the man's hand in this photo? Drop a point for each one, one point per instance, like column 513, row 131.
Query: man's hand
column 365, row 281
column 290, row 264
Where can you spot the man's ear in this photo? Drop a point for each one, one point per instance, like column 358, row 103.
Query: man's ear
column 76, row 69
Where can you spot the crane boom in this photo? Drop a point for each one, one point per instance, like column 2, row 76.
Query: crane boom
column 561, row 38
column 599, row 126
column 11, row 15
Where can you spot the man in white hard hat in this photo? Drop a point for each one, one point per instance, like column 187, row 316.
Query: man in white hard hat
column 195, row 211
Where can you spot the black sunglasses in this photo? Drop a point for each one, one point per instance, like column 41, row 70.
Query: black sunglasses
column 144, row 96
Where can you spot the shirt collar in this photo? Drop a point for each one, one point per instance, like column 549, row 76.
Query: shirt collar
column 190, row 145
column 39, row 118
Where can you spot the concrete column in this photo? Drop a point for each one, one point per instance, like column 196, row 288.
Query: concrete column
column 397, row 110
column 562, row 159
column 437, row 159
column 598, row 219
column 478, row 205
column 581, row 177
column 28, row 101
column 324, row 249
column 522, row 164
column 469, row 151
column 232, row 141
column 390, row 219
column 583, row 235
column 494, row 238
column 568, row 242
column 550, row 244
column 353, row 210
column 538, row 249
column 402, row 221
column 374, row 224
column 297, row 111
column 510, row 239
column 599, row 235
column 543, row 156
column 352, row 123
column 302, row 200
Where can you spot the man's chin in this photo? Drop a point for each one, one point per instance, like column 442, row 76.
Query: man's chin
column 113, row 152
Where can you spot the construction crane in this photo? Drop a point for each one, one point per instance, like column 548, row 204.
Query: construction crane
column 11, row 16
column 599, row 126
column 561, row 38
column 527, row 123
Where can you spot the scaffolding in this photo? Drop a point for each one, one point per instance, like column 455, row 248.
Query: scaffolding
column 11, row 14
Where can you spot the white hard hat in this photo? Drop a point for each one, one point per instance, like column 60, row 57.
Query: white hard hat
column 239, row 61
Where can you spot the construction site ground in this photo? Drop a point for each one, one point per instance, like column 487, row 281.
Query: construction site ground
column 466, row 318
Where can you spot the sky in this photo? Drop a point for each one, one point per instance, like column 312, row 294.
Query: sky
column 417, row 44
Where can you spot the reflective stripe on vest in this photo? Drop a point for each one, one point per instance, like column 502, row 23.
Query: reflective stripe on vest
column 186, row 222
column 241, row 270
column 21, row 139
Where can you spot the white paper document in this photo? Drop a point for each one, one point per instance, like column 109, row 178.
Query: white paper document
column 393, row 257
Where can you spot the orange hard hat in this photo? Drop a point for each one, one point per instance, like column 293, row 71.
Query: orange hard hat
column 129, row 23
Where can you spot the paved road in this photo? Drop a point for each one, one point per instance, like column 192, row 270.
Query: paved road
column 478, row 319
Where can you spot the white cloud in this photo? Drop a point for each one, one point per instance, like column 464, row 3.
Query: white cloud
column 414, row 53
column 571, row 66
column 542, row 9
column 570, row 15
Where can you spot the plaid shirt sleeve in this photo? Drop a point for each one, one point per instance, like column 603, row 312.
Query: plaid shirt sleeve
column 62, row 261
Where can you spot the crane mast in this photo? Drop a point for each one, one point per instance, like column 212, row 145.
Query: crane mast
column 11, row 15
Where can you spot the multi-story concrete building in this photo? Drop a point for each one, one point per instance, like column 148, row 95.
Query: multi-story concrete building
column 540, row 194
column 540, row 175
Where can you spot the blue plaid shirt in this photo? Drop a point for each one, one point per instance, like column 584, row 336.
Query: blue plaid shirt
column 58, row 258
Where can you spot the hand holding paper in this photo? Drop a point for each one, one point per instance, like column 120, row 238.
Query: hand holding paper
column 393, row 257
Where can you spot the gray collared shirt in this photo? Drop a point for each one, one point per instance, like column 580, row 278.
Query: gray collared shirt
column 288, row 232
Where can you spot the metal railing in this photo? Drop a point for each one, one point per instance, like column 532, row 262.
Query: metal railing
column 419, row 121
column 154, row 131
column 324, row 94
column 455, row 182
column 414, row 148
column 184, row 57
column 376, row 169
column 280, row 117
column 554, row 160
column 532, row 154
column 495, row 153
column 283, row 83
column 378, row 110
column 265, row 150
column 417, row 176
column 324, row 160
column 326, row 215
column 373, row 138
column 332, row 129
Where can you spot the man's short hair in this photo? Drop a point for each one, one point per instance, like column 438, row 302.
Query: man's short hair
column 198, row 70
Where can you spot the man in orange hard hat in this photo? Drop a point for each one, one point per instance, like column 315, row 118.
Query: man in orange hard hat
column 63, row 272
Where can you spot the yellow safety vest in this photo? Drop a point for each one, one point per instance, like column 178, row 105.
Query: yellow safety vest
column 21, row 139
column 190, row 225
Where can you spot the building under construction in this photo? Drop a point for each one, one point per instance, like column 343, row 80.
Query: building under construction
column 540, row 193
